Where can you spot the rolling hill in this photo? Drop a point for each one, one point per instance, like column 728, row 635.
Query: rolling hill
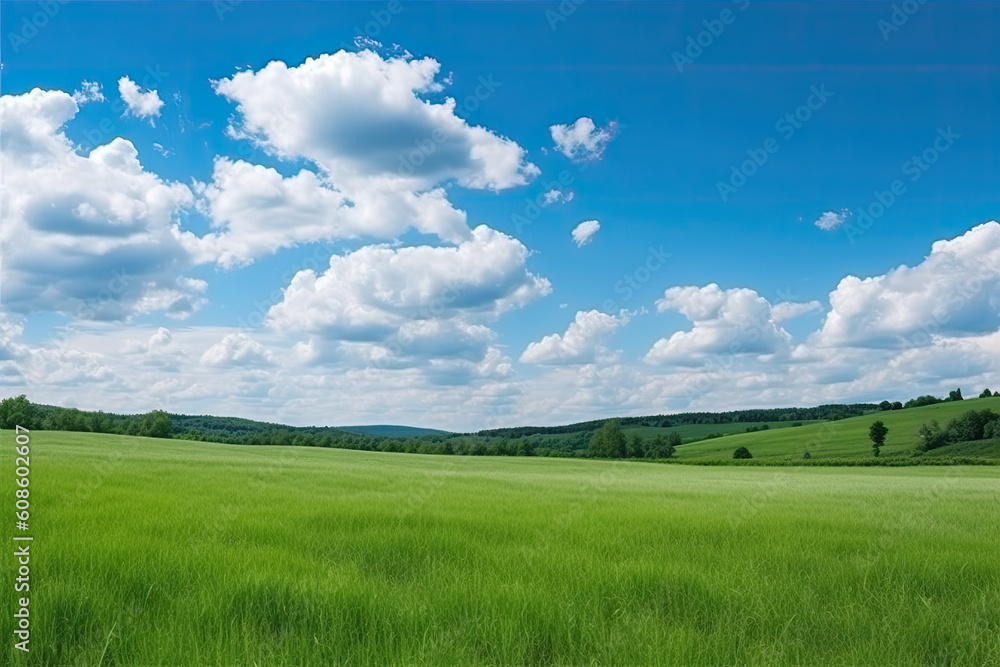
column 842, row 438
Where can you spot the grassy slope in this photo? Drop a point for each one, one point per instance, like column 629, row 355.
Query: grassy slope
column 165, row 552
column 698, row 431
column 392, row 430
column 847, row 437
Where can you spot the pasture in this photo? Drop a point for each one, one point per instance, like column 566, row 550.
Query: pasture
column 160, row 552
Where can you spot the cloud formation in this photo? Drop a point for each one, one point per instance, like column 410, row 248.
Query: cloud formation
column 955, row 291
column 137, row 103
column 582, row 343
column 583, row 140
column 831, row 220
column 94, row 234
column 725, row 322
column 584, row 232
column 362, row 118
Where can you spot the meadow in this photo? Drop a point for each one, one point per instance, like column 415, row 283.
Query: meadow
column 161, row 552
column 845, row 438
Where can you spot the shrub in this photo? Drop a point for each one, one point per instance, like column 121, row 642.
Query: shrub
column 970, row 426
column 992, row 430
column 807, row 456
column 931, row 436
column 742, row 453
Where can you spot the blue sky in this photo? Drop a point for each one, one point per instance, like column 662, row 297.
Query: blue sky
column 652, row 127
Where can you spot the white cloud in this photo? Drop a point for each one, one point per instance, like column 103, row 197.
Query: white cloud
column 557, row 196
column 583, row 342
column 243, row 201
column 730, row 322
column 137, row 103
column 582, row 140
column 90, row 91
column 237, row 349
column 584, row 232
column 93, row 233
column 788, row 310
column 360, row 117
column 392, row 306
column 831, row 220
column 955, row 291
column 383, row 155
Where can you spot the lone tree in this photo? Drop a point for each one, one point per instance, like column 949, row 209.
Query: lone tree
column 986, row 394
column 955, row 395
column 877, row 433
column 742, row 453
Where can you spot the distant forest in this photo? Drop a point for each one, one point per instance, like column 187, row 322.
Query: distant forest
column 582, row 439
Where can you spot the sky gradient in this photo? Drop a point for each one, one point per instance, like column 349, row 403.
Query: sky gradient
column 470, row 215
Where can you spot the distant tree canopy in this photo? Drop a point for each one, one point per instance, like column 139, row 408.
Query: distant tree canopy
column 608, row 442
column 955, row 395
column 970, row 426
column 973, row 425
column 18, row 411
column 986, row 394
column 921, row 401
column 742, row 453
column 820, row 412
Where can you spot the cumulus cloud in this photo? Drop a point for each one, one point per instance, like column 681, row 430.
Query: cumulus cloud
column 583, row 140
column 360, row 117
column 138, row 103
column 582, row 343
column 831, row 220
column 734, row 321
column 788, row 310
column 90, row 91
column 94, row 233
column 244, row 200
column 413, row 301
column 557, row 196
column 380, row 156
column 955, row 291
column 237, row 349
column 584, row 232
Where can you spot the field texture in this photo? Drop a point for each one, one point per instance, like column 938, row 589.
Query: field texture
column 155, row 552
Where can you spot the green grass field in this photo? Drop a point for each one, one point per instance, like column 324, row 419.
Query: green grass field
column 700, row 431
column 843, row 438
column 159, row 552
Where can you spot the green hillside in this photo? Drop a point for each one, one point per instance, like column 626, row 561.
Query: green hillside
column 392, row 430
column 689, row 432
column 842, row 438
column 167, row 552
